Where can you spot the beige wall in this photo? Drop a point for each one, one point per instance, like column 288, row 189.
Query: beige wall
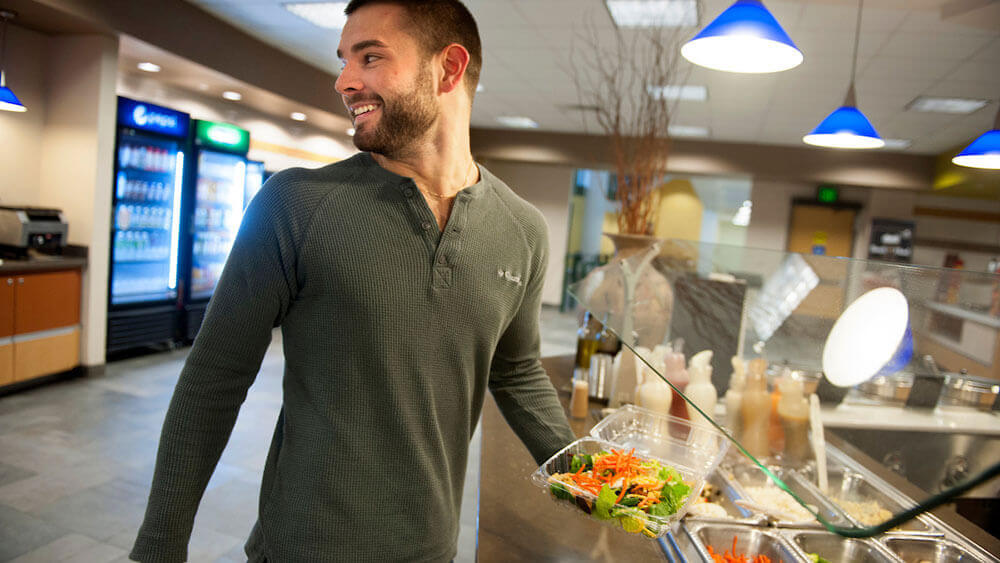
column 77, row 159
column 22, row 132
column 548, row 188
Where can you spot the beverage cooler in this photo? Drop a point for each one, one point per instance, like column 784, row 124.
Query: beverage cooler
column 151, row 143
column 256, row 175
column 213, row 213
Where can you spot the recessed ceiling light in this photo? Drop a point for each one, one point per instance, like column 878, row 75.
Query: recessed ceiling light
column 687, row 131
column 298, row 116
column 328, row 15
column 149, row 67
column 678, row 92
column 654, row 13
column 946, row 105
column 479, row 87
column 234, row 96
column 518, row 122
column 350, row 131
column 897, row 143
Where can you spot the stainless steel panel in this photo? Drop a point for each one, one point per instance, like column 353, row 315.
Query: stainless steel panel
column 919, row 550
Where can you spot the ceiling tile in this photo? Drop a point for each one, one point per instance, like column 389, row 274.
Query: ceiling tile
column 937, row 46
column 910, row 68
column 975, row 71
column 929, row 21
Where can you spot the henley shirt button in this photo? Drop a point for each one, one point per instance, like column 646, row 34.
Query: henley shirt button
column 426, row 225
column 408, row 192
column 442, row 260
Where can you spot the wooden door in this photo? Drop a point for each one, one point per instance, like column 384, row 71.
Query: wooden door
column 820, row 230
column 47, row 300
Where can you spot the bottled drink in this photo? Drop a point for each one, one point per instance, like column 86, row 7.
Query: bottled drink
column 587, row 340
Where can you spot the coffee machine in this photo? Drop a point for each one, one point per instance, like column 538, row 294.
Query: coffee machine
column 38, row 228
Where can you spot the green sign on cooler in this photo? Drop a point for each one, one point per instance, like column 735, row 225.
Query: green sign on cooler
column 222, row 136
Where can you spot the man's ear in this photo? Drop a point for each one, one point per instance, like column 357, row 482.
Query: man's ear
column 454, row 61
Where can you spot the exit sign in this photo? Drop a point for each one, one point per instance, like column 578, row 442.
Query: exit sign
column 827, row 194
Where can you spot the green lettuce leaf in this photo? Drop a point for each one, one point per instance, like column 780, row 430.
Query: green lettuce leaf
column 605, row 501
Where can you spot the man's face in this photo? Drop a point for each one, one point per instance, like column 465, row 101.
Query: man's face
column 387, row 82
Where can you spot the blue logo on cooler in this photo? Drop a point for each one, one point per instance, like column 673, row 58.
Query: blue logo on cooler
column 151, row 117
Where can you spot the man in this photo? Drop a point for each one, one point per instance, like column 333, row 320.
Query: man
column 406, row 280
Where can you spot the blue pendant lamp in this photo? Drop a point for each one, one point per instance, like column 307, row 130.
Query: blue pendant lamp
column 745, row 38
column 847, row 127
column 8, row 101
column 984, row 152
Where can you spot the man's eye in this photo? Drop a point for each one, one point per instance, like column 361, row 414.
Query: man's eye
column 370, row 58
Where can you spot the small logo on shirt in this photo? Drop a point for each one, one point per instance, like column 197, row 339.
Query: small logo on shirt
column 505, row 274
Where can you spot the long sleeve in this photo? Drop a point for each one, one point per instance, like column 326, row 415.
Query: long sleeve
column 255, row 290
column 520, row 386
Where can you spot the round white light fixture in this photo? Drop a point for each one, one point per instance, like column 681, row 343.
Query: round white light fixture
column 148, row 67
column 298, row 116
column 871, row 337
column 350, row 131
column 234, row 96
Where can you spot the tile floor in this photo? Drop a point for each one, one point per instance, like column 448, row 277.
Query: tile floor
column 76, row 460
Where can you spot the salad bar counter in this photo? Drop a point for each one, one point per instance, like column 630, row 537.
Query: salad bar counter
column 619, row 479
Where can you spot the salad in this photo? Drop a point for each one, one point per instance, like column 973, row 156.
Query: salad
column 622, row 486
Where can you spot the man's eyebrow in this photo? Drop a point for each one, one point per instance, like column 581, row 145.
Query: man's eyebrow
column 360, row 45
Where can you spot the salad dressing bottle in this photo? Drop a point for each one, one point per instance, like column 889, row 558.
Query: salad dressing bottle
column 626, row 377
column 676, row 373
column 756, row 409
column 793, row 409
column 653, row 393
column 700, row 391
column 734, row 396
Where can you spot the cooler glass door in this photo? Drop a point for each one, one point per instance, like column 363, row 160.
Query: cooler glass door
column 146, row 223
column 218, row 210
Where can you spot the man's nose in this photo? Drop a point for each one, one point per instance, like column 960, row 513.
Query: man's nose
column 347, row 81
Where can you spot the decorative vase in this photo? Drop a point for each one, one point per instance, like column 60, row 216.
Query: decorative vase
column 630, row 279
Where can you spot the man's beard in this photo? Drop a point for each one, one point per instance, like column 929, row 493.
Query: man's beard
column 405, row 118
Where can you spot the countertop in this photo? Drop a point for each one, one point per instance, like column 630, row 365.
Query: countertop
column 518, row 521
column 43, row 262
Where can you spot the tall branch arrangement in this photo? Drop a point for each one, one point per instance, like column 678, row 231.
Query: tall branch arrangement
column 617, row 74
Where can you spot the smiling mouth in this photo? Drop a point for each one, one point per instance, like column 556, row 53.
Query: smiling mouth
column 361, row 110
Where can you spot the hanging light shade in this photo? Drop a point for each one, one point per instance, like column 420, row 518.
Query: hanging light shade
column 984, row 152
column 744, row 38
column 845, row 128
column 8, row 101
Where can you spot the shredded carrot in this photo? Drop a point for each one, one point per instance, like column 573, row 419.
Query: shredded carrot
column 733, row 557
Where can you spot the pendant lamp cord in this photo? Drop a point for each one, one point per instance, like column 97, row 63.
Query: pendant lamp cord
column 857, row 39
column 4, row 15
column 850, row 100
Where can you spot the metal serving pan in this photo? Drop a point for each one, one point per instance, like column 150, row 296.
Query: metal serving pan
column 835, row 548
column 934, row 550
column 749, row 540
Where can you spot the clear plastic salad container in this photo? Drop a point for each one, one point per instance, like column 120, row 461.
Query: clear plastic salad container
column 697, row 447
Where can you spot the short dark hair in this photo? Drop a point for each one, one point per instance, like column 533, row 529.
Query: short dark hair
column 439, row 23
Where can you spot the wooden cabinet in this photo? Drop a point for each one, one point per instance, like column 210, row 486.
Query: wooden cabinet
column 39, row 324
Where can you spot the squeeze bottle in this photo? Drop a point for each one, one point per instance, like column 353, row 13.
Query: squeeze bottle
column 734, row 396
column 700, row 391
column 756, row 409
column 793, row 409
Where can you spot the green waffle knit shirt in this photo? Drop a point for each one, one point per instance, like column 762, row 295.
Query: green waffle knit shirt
column 393, row 330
